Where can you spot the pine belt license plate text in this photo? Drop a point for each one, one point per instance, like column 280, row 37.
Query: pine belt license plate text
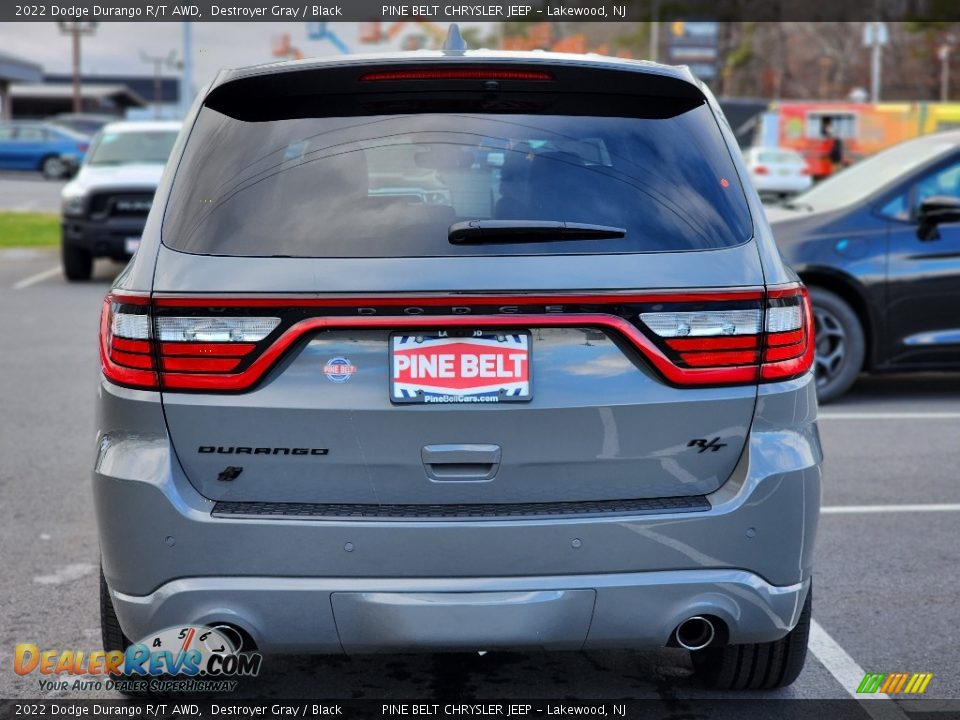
column 460, row 366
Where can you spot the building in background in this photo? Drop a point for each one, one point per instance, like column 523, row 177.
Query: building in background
column 42, row 100
column 159, row 95
column 15, row 70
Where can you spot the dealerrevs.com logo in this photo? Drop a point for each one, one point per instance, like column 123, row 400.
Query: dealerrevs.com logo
column 895, row 683
column 190, row 658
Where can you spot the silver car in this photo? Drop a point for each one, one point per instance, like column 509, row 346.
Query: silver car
column 461, row 351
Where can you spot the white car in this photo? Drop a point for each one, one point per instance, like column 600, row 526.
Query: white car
column 777, row 171
column 105, row 207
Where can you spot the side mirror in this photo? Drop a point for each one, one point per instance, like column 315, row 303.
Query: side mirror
column 934, row 211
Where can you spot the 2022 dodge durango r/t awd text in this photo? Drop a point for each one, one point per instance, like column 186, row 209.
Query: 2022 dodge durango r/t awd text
column 461, row 351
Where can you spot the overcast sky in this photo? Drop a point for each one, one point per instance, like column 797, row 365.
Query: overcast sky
column 116, row 46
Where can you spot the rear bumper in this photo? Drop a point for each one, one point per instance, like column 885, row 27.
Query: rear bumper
column 102, row 239
column 332, row 584
column 333, row 615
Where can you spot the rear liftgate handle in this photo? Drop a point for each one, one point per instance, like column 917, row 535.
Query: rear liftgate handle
column 464, row 463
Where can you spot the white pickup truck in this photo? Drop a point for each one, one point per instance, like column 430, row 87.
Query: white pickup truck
column 104, row 207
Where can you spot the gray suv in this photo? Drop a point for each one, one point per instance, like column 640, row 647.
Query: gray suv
column 461, row 351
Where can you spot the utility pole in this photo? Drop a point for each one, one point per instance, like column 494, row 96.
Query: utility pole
column 186, row 76
column 875, row 36
column 75, row 30
column 943, row 53
column 170, row 60
column 876, row 67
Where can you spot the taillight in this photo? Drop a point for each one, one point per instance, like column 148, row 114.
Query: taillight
column 195, row 349
column 193, row 352
column 126, row 349
column 769, row 342
column 761, row 170
column 789, row 345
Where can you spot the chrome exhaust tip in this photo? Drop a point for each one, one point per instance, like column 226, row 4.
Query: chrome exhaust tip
column 695, row 633
column 238, row 637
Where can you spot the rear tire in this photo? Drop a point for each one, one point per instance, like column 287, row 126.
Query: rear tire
column 77, row 263
column 53, row 168
column 840, row 344
column 110, row 631
column 756, row 666
column 113, row 638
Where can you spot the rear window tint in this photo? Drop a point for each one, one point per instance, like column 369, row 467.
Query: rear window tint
column 391, row 185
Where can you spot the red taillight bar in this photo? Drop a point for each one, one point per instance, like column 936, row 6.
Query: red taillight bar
column 203, row 364
column 206, row 349
column 699, row 361
column 717, row 343
column 457, row 74
column 679, row 376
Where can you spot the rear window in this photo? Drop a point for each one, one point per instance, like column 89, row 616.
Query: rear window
column 391, row 185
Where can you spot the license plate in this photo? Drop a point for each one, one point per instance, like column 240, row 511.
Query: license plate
column 130, row 245
column 460, row 366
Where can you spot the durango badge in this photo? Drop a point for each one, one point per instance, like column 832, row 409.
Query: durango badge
column 339, row 370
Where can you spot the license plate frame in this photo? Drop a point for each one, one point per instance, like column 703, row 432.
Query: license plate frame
column 518, row 342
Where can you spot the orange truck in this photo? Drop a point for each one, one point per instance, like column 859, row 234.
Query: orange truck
column 863, row 128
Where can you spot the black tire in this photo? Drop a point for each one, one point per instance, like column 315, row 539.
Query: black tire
column 841, row 345
column 53, row 167
column 110, row 631
column 113, row 638
column 756, row 666
column 77, row 263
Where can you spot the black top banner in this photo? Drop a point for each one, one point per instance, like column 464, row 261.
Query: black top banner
column 188, row 708
column 478, row 10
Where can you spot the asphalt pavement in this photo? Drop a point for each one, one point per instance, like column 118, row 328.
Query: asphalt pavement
column 29, row 192
column 886, row 580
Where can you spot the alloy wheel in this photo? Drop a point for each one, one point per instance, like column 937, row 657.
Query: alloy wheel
column 831, row 347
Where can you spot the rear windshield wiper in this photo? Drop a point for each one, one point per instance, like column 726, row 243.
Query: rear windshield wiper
column 523, row 231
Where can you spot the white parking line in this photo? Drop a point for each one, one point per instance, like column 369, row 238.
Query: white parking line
column 866, row 509
column 849, row 674
column 39, row 277
column 889, row 416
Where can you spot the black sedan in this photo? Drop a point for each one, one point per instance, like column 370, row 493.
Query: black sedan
column 879, row 247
